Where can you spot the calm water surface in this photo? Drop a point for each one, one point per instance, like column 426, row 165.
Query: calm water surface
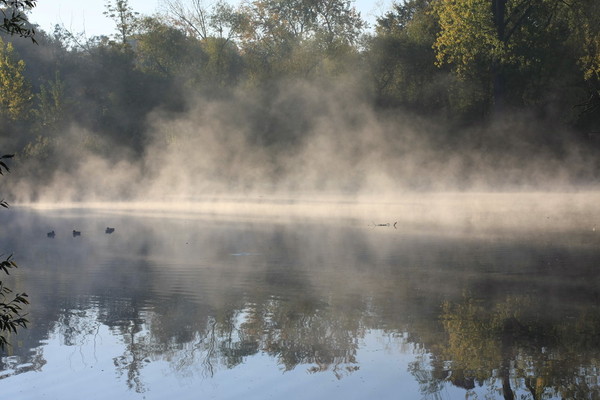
column 478, row 298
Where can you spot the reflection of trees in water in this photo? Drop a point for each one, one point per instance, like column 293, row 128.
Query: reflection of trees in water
column 306, row 297
column 305, row 332
column 77, row 324
column 294, row 334
column 517, row 349
column 138, row 347
column 13, row 365
column 430, row 380
column 200, row 354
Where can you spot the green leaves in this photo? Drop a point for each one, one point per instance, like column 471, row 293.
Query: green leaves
column 467, row 34
column 11, row 306
column 15, row 93
column 124, row 17
column 11, row 310
column 3, row 166
column 330, row 21
column 7, row 264
column 14, row 20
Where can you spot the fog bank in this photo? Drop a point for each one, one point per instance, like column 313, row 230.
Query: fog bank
column 309, row 139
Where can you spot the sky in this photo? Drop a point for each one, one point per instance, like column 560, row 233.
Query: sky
column 86, row 16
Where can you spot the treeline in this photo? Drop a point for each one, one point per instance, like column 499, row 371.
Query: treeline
column 464, row 64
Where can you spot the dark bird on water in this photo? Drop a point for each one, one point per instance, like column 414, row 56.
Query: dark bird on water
column 109, row 230
column 51, row 234
column 76, row 233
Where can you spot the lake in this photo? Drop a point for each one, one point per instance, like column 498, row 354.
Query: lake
column 447, row 296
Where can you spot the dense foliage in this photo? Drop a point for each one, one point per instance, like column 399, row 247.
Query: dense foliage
column 468, row 65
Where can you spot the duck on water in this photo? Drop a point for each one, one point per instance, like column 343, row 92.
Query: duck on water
column 76, row 233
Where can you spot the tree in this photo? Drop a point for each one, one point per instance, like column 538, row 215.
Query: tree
column 296, row 37
column 490, row 36
column 539, row 55
column 15, row 94
column 124, row 17
column 332, row 21
column 223, row 67
column 49, row 120
column 166, row 51
column 584, row 24
column 194, row 19
column 51, row 109
column 401, row 59
column 216, row 28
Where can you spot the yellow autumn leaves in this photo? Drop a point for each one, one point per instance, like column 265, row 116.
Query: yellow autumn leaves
column 15, row 92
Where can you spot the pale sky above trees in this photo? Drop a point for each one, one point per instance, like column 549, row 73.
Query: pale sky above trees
column 87, row 16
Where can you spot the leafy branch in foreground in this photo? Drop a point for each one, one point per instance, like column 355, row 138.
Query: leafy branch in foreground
column 14, row 20
column 11, row 309
column 11, row 305
column 4, row 167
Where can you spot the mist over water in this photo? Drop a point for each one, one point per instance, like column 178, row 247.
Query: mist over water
column 294, row 209
column 387, row 262
column 335, row 158
column 310, row 139
column 194, row 297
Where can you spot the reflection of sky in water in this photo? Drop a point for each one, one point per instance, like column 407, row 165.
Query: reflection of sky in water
column 86, row 369
column 304, row 307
